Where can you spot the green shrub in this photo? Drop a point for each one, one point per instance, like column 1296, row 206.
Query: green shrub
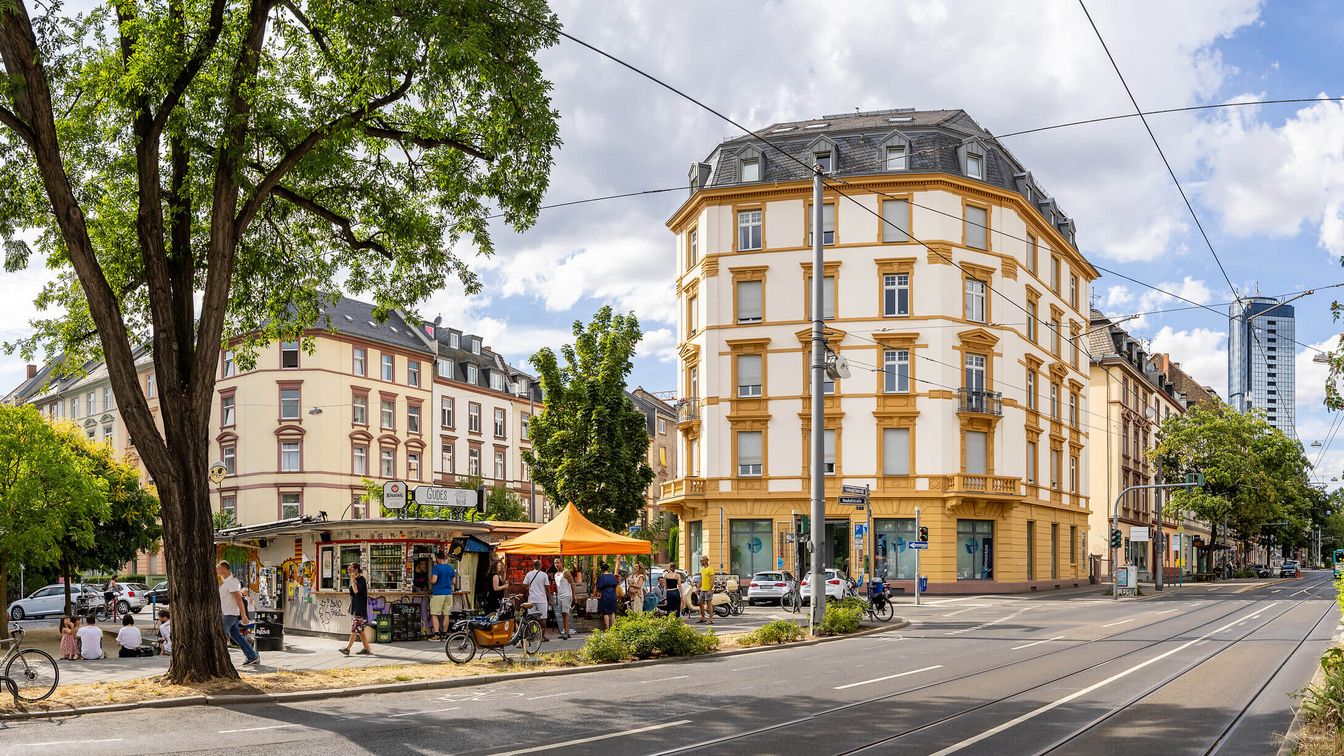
column 774, row 632
column 1324, row 703
column 842, row 617
column 644, row 636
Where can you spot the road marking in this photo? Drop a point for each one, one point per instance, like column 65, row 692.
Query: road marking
column 255, row 729
column 888, row 677
column 593, row 739
column 1079, row 693
column 663, row 679
column 71, row 742
column 1037, row 643
column 553, row 695
column 744, row 669
column 430, row 711
column 1121, row 622
column 1169, row 611
column 1304, row 590
column 1004, row 618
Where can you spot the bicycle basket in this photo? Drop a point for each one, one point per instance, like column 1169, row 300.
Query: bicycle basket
column 497, row 634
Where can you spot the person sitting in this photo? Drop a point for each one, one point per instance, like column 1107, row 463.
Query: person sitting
column 128, row 638
column 90, row 639
column 165, row 641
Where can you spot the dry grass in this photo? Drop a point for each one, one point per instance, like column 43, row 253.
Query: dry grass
column 1319, row 740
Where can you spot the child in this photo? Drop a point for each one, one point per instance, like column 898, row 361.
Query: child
column 129, row 638
column 90, row 639
column 165, row 633
column 69, row 643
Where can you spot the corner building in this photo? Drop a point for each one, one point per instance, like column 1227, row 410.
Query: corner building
column 966, row 395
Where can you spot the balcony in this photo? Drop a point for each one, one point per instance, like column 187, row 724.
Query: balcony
column 680, row 490
column 992, row 488
column 979, row 401
column 688, row 410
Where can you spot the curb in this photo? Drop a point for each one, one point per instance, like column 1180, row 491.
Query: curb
column 1289, row 744
column 419, row 685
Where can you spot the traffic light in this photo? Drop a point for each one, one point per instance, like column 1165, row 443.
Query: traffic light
column 923, row 533
column 1117, row 539
column 1195, row 479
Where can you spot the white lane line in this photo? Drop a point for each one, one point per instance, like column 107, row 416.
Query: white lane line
column 663, row 679
column 553, row 695
column 744, row 669
column 1304, row 590
column 430, row 711
column 1037, row 643
column 1079, row 693
column 593, row 739
column 991, row 623
column 255, row 729
column 888, row 677
column 1121, row 622
column 1169, row 611
column 72, row 742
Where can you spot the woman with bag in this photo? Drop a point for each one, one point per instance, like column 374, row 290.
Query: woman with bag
column 359, row 610
column 494, row 599
column 673, row 579
column 635, row 590
column 607, row 584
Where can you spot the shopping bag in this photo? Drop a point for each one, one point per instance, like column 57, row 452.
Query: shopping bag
column 591, row 605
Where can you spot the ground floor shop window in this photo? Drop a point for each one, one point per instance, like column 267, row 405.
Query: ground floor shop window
column 975, row 549
column 349, row 555
column 893, row 559
column 385, row 566
column 695, row 540
column 751, row 547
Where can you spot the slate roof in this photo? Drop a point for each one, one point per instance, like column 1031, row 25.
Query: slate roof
column 353, row 317
column 934, row 137
column 651, row 407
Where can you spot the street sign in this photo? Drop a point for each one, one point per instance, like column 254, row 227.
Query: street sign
column 1138, row 534
column 917, row 545
column 450, row 498
column 394, row 495
column 857, row 490
column 860, row 529
column 857, row 501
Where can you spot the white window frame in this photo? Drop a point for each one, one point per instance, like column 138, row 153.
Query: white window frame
column 897, row 158
column 896, row 371
column 893, row 286
column 750, row 223
column 974, row 308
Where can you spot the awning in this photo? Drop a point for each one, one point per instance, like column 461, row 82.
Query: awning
column 572, row 534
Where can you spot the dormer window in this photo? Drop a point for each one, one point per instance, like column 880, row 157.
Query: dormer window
column 475, row 346
column 749, row 169
column 896, row 157
column 975, row 166
column 454, row 340
column 823, row 159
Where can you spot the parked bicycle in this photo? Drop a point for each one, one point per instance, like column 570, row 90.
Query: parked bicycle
column 494, row 632
column 792, row 600
column 877, row 604
column 30, row 673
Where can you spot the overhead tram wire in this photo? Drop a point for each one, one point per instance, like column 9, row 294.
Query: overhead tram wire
column 753, row 134
column 588, row 200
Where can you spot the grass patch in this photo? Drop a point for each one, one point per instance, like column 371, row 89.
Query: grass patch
column 644, row 636
column 773, row 633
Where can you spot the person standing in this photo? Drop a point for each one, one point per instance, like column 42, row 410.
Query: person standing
column 538, row 584
column 111, row 595
column 672, row 581
column 564, row 597
column 235, row 612
column 635, row 588
column 359, row 610
column 69, row 642
column 90, row 639
column 499, row 586
column 606, row 595
column 442, row 581
column 129, row 639
column 706, row 592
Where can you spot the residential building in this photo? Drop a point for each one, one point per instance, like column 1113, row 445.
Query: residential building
column 661, row 420
column 1261, row 365
column 962, row 347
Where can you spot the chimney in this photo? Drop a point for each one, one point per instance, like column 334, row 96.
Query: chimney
column 32, row 371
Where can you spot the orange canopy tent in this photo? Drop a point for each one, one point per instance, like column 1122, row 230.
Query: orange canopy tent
column 572, row 534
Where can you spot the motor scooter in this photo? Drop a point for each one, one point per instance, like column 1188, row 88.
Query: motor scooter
column 726, row 601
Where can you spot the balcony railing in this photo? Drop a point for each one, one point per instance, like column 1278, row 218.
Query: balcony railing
column 979, row 401
column 683, row 487
column 688, row 410
column 988, row 484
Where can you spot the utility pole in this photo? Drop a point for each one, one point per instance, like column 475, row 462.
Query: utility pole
column 917, row 552
column 1192, row 480
column 1159, row 548
column 818, row 437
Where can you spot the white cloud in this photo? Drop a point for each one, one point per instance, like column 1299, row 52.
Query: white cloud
column 1310, row 376
column 1202, row 353
column 1192, row 289
column 1117, row 296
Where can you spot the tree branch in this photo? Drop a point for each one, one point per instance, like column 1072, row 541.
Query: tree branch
column 8, row 118
column 313, row 139
column 204, row 46
column 428, row 143
column 343, row 224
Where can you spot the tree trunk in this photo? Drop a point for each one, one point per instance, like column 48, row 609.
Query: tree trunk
column 4, row 593
column 65, row 575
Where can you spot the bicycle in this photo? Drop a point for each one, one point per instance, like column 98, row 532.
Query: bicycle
column 494, row 632
column 27, row 670
column 876, row 605
column 792, row 600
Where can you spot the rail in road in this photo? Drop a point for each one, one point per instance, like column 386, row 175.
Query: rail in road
column 872, row 708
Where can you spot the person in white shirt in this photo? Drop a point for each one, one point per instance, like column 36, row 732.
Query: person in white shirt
column 537, row 583
column 165, row 633
column 128, row 638
column 564, row 597
column 90, row 639
column 233, row 609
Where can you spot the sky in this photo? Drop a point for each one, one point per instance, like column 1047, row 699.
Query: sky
column 1267, row 182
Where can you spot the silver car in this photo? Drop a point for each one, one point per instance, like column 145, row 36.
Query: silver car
column 48, row 601
column 769, row 587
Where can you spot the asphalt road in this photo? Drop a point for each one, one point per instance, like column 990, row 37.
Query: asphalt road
column 1206, row 670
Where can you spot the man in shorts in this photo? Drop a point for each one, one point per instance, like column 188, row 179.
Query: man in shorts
column 442, row 580
column 538, row 585
column 706, row 592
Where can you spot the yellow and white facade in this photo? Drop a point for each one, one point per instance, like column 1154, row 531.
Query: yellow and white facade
column 955, row 405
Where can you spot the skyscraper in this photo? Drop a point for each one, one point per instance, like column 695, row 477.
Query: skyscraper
column 1260, row 359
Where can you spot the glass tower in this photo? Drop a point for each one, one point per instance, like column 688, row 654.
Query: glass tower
column 1260, row 360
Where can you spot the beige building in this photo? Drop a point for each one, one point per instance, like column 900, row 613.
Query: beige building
column 966, row 390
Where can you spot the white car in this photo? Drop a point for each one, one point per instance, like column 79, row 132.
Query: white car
column 44, row 602
column 835, row 585
column 769, row 587
column 131, row 598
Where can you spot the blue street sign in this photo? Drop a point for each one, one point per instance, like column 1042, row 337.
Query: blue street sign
column 917, row 545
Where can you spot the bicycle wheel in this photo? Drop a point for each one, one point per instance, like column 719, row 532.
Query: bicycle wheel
column 530, row 635
column 34, row 673
column 460, row 647
column 885, row 612
column 790, row 602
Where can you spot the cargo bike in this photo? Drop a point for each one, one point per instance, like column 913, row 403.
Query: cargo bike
column 496, row 632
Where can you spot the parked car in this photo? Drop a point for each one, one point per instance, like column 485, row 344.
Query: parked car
column 131, row 598
column 835, row 585
column 1262, row 570
column 46, row 601
column 1288, row 569
column 158, row 595
column 769, row 587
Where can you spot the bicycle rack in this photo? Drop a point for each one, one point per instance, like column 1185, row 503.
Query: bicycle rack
column 12, row 687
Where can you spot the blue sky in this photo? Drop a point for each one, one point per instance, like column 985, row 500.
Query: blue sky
column 1267, row 182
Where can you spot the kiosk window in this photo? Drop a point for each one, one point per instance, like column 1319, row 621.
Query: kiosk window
column 385, row 565
column 349, row 555
column 327, row 575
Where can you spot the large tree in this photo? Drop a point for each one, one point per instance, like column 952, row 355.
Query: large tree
column 48, row 495
column 589, row 443
column 198, row 170
column 1254, row 474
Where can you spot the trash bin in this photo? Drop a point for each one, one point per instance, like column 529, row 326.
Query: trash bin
column 923, row 583
column 269, row 631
